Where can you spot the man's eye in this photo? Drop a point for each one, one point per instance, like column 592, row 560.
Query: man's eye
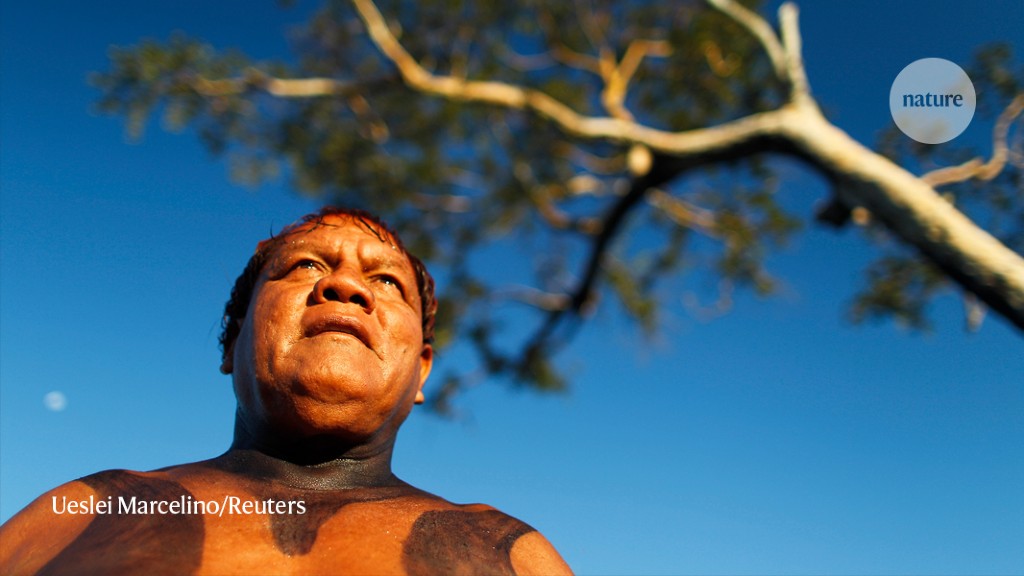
column 388, row 280
column 305, row 265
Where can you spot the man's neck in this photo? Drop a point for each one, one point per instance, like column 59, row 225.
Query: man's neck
column 312, row 463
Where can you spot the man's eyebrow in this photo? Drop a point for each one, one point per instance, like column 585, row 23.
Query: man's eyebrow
column 288, row 247
column 388, row 261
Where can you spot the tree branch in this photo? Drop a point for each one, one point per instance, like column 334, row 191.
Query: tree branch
column 760, row 29
column 719, row 64
column 617, row 79
column 912, row 210
column 977, row 167
column 557, row 218
column 281, row 87
column 785, row 55
column 683, row 213
column 905, row 204
column 592, row 162
column 533, row 297
column 663, row 170
column 692, row 142
column 795, row 73
column 574, row 59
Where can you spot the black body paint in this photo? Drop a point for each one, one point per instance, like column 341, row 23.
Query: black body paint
column 150, row 544
column 295, row 534
column 457, row 542
column 440, row 541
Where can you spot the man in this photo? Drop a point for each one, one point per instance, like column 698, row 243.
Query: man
column 327, row 339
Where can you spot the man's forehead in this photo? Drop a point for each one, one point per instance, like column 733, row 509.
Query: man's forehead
column 343, row 225
column 338, row 229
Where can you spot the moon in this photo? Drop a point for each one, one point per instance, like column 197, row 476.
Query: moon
column 55, row 401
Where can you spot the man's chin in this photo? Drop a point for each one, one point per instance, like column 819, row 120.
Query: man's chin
column 347, row 421
column 336, row 384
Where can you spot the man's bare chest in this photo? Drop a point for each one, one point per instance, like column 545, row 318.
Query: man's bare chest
column 164, row 527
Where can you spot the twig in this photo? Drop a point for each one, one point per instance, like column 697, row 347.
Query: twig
column 557, row 218
column 617, row 79
column 719, row 64
column 785, row 55
column 533, row 297
column 592, row 162
column 281, row 87
column 795, row 72
column 760, row 29
column 701, row 141
column 977, row 167
column 574, row 59
column 684, row 213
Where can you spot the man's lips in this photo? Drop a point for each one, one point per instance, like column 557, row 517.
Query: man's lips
column 341, row 323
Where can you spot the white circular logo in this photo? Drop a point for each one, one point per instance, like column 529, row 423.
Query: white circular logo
column 932, row 100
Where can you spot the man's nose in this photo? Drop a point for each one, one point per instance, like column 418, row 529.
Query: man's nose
column 347, row 286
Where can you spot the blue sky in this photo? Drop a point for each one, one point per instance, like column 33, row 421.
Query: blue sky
column 775, row 439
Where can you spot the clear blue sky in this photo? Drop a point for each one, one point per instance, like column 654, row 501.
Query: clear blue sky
column 776, row 439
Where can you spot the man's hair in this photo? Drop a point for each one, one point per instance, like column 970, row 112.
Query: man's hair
column 241, row 294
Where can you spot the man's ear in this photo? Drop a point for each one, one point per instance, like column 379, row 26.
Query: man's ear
column 426, row 362
column 227, row 364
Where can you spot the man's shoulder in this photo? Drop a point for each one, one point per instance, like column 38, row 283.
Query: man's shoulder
column 477, row 538
column 51, row 521
column 70, row 506
column 77, row 527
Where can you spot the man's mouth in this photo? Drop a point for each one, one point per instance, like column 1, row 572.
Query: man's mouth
column 340, row 324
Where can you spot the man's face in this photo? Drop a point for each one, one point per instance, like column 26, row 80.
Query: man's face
column 332, row 342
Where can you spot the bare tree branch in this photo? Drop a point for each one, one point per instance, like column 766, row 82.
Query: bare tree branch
column 574, row 59
column 692, row 142
column 760, row 29
column 558, row 219
column 977, row 167
column 795, row 73
column 718, row 63
column 533, row 297
column 914, row 212
column 617, row 79
column 786, row 55
column 974, row 312
column 664, row 170
column 280, row 87
column 905, row 204
column 592, row 162
column 377, row 128
column 683, row 213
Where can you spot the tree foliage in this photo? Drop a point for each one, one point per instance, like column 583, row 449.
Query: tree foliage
column 596, row 218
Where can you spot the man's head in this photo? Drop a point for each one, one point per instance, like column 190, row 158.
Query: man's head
column 328, row 329
column 241, row 293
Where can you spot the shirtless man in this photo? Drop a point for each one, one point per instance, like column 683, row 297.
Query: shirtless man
column 327, row 339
